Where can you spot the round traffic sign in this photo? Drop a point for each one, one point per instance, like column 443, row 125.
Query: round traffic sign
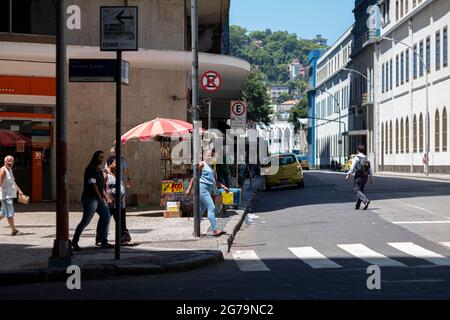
column 211, row 81
column 239, row 108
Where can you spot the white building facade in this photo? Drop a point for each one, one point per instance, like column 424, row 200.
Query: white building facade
column 332, row 102
column 419, row 29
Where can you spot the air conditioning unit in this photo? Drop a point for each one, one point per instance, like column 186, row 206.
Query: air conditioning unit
column 360, row 112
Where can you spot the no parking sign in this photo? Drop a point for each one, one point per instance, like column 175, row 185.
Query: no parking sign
column 211, row 81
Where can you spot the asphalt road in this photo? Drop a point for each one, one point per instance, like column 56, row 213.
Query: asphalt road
column 310, row 244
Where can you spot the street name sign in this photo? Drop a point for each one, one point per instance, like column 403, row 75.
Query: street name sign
column 118, row 28
column 97, row 70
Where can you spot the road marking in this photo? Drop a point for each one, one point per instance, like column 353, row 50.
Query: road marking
column 418, row 208
column 422, row 222
column 247, row 260
column 362, row 252
column 421, row 253
column 313, row 258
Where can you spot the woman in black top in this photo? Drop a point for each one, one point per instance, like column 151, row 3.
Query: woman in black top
column 94, row 199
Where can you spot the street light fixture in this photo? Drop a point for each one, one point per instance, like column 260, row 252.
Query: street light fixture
column 427, row 116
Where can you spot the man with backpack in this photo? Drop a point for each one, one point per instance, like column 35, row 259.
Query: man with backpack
column 363, row 172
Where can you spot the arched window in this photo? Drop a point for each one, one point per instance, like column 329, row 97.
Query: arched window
column 437, row 132
column 421, row 133
column 390, row 137
column 407, row 135
column 387, row 138
column 415, row 134
column 444, row 130
column 402, row 137
column 382, row 138
column 397, row 137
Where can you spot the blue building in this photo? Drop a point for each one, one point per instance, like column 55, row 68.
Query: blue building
column 313, row 57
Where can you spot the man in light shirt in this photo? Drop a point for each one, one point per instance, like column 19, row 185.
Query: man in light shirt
column 363, row 172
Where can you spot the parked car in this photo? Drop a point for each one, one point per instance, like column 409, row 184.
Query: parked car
column 303, row 161
column 289, row 171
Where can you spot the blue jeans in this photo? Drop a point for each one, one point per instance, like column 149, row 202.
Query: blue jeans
column 207, row 203
column 90, row 206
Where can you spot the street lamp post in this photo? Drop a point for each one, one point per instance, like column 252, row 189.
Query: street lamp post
column 340, row 122
column 427, row 116
column 372, row 87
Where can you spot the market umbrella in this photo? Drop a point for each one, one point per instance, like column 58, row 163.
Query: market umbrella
column 11, row 138
column 157, row 128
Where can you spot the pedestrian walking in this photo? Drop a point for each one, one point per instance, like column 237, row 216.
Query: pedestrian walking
column 363, row 172
column 425, row 162
column 94, row 199
column 8, row 192
column 124, row 173
column 207, row 184
column 109, row 175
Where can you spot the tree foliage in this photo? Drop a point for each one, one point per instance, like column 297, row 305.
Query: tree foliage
column 271, row 51
column 255, row 95
column 299, row 111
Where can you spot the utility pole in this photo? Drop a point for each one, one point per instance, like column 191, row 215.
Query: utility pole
column 195, row 95
column 62, row 250
column 118, row 152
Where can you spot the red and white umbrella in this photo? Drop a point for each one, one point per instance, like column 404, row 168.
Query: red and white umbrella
column 159, row 127
column 11, row 138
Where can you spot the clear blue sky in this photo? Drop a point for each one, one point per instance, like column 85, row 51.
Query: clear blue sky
column 306, row 18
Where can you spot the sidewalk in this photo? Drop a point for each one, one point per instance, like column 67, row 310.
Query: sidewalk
column 419, row 176
column 165, row 244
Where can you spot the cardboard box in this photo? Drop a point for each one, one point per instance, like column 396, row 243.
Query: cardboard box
column 172, row 214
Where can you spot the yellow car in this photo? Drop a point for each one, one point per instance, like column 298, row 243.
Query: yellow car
column 289, row 171
column 303, row 161
column 348, row 163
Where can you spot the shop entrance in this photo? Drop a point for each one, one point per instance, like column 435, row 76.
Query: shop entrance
column 33, row 165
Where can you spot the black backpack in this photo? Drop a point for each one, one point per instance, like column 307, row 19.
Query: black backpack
column 363, row 167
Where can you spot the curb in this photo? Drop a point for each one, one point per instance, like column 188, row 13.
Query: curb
column 98, row 271
column 232, row 227
column 424, row 178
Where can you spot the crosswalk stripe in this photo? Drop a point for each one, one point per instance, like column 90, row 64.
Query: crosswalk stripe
column 364, row 253
column 421, row 253
column 313, row 258
column 247, row 260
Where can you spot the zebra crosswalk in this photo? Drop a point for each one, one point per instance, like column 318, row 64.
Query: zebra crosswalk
column 249, row 261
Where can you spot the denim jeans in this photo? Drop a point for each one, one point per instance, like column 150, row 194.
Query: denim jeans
column 360, row 184
column 207, row 203
column 125, row 234
column 90, row 206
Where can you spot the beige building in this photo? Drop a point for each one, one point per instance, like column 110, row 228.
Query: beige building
column 159, row 87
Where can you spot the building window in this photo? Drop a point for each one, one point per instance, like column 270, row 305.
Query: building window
column 397, row 71
column 415, row 134
column 406, row 6
column 387, row 77
column 421, row 59
column 4, row 16
column 445, row 47
column 387, row 139
column 402, row 68
column 390, row 137
column 402, row 4
column 382, row 139
column 382, row 78
column 402, row 137
column 415, row 62
column 391, row 74
column 438, row 50
column 397, row 10
column 444, row 130
column 421, row 133
column 407, row 65
column 428, row 48
column 437, row 133
column 407, row 134
column 34, row 17
column 397, row 137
